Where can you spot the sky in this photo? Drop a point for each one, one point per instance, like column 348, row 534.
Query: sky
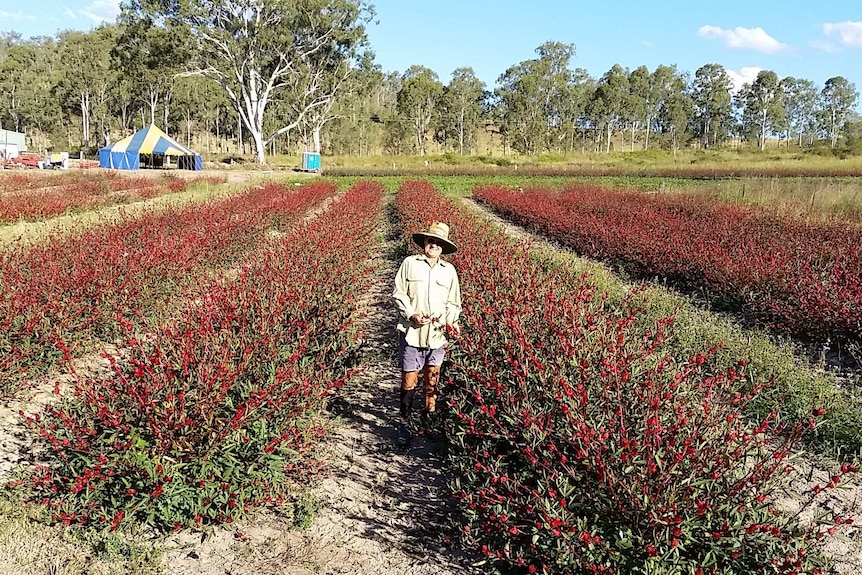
column 815, row 40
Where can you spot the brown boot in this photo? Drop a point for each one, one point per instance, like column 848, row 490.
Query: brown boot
column 432, row 378
column 409, row 381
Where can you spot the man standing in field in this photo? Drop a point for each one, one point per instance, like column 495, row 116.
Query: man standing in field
column 428, row 297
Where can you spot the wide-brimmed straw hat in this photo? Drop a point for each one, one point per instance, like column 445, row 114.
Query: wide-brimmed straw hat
column 438, row 231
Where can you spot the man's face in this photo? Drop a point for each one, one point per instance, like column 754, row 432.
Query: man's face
column 433, row 248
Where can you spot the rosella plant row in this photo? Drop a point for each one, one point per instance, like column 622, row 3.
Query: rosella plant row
column 580, row 444
column 211, row 414
column 12, row 181
column 800, row 277
column 82, row 184
column 98, row 182
column 78, row 289
column 97, row 192
column 508, row 167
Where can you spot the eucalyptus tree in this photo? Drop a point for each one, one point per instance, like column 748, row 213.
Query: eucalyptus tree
column 461, row 110
column 355, row 128
column 85, row 81
column 7, row 40
column 638, row 102
column 315, row 99
column 573, row 105
column 386, row 94
column 676, row 110
column 555, row 88
column 27, row 77
column 194, row 103
column 517, row 108
column 662, row 83
column 532, row 104
column 799, row 97
column 17, row 74
column 837, row 99
column 763, row 108
column 152, row 56
column 418, row 102
column 123, row 101
column 321, row 88
column 712, row 102
column 260, row 50
column 398, row 136
column 607, row 107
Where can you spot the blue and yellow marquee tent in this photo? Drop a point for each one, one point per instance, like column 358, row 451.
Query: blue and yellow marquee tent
column 150, row 141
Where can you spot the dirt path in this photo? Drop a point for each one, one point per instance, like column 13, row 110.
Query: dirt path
column 384, row 508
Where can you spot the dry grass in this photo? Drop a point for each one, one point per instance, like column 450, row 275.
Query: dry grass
column 815, row 196
column 29, row 546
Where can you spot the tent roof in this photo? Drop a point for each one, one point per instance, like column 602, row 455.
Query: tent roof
column 151, row 140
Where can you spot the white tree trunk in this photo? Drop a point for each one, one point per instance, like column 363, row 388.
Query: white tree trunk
column 153, row 103
column 648, row 130
column 240, row 149
column 833, row 132
column 315, row 139
column 85, row 118
column 461, row 133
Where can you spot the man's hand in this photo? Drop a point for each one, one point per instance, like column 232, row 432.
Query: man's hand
column 420, row 319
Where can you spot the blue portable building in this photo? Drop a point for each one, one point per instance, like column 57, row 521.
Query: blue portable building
column 311, row 162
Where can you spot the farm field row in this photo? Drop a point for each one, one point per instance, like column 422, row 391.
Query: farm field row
column 800, row 277
column 211, row 413
column 592, row 171
column 585, row 428
column 31, row 198
column 72, row 292
column 581, row 440
column 12, row 181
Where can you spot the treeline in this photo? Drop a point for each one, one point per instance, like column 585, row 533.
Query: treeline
column 83, row 90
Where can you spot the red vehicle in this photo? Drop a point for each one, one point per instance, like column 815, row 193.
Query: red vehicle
column 30, row 160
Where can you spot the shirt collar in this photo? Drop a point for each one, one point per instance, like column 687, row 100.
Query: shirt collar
column 424, row 258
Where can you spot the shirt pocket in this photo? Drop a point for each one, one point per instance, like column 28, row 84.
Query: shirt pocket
column 414, row 284
column 440, row 288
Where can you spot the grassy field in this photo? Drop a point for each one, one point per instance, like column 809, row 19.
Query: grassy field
column 830, row 191
column 27, row 543
column 821, row 159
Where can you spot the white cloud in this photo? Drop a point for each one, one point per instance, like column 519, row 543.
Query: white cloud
column 849, row 33
column 16, row 16
column 101, row 10
column 824, row 46
column 746, row 75
column 739, row 37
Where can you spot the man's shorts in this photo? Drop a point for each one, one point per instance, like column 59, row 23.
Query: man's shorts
column 417, row 358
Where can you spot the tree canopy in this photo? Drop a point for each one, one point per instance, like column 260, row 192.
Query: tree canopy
column 259, row 50
column 275, row 76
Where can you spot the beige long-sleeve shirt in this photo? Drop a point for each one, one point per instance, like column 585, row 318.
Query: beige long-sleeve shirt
column 427, row 290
